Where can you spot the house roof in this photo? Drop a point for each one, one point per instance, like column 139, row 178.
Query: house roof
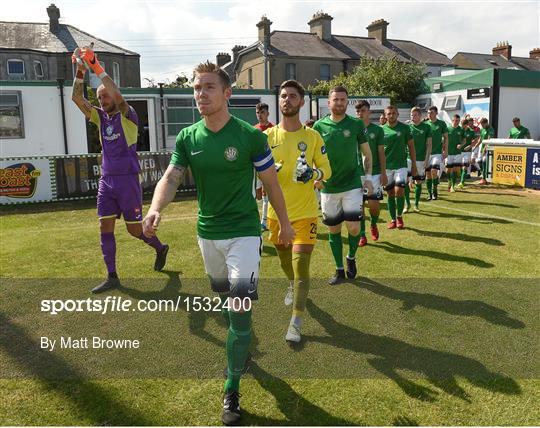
column 299, row 44
column 483, row 61
column 38, row 37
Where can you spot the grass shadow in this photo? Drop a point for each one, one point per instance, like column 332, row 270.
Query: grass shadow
column 468, row 308
column 388, row 356
column 464, row 217
column 488, row 204
column 269, row 250
column 458, row 236
column 397, row 249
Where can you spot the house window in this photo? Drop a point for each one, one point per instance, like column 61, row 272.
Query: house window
column 116, row 73
column 15, row 69
column 452, row 102
column 324, row 72
column 11, row 115
column 290, row 71
column 250, row 77
column 38, row 70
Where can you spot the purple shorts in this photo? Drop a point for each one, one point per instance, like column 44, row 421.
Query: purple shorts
column 120, row 195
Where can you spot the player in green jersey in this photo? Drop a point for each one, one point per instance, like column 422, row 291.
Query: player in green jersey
column 375, row 139
column 518, row 130
column 224, row 154
column 439, row 150
column 456, row 139
column 486, row 133
column 466, row 148
column 397, row 137
column 421, row 134
column 342, row 194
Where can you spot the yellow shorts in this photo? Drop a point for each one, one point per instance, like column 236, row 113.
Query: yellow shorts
column 305, row 228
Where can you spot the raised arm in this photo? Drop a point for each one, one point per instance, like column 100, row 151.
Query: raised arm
column 77, row 94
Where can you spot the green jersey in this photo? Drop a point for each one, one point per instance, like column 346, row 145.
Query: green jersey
column 395, row 145
column 470, row 135
column 420, row 134
column 375, row 138
column 223, row 165
column 438, row 129
column 487, row 133
column 519, row 132
column 455, row 138
column 342, row 140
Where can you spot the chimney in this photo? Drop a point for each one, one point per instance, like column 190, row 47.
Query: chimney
column 535, row 53
column 222, row 58
column 264, row 30
column 235, row 50
column 321, row 25
column 377, row 30
column 54, row 17
column 504, row 49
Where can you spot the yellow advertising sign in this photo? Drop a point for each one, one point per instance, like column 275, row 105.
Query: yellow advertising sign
column 509, row 165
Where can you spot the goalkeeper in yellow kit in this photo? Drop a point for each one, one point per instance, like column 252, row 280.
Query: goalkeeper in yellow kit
column 301, row 161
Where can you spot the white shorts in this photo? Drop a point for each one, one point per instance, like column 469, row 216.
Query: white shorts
column 453, row 160
column 435, row 162
column 396, row 177
column 377, row 194
column 259, row 184
column 233, row 264
column 465, row 158
column 420, row 166
column 344, row 206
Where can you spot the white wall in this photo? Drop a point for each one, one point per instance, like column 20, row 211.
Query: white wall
column 523, row 103
column 42, row 116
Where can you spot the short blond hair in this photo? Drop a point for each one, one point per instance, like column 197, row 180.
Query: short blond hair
column 416, row 110
column 210, row 67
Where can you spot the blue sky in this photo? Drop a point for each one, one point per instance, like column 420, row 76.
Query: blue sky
column 172, row 36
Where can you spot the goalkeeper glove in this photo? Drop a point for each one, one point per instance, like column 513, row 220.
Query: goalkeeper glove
column 89, row 57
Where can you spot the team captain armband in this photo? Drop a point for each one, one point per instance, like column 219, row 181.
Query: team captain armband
column 263, row 161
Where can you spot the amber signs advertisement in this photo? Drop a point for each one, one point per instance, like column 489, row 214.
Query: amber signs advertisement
column 509, row 165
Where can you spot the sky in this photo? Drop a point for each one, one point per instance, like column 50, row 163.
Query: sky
column 172, row 35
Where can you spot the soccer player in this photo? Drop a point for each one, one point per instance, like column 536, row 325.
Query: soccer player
column 421, row 135
column 342, row 194
column 262, row 112
column 486, row 133
column 375, row 138
column 397, row 137
column 456, row 139
column 382, row 119
column 439, row 150
column 301, row 158
column 119, row 191
column 465, row 148
column 223, row 153
column 518, row 130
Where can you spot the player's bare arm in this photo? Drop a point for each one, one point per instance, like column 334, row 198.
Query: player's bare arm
column 368, row 166
column 428, row 151
column 382, row 162
column 445, row 145
column 412, row 152
column 276, row 199
column 77, row 94
column 163, row 195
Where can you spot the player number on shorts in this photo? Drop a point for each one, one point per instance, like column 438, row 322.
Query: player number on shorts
column 313, row 230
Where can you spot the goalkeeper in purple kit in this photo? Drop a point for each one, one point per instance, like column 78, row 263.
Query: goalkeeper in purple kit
column 119, row 191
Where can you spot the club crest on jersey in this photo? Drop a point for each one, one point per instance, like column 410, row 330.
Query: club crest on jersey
column 372, row 136
column 323, row 150
column 398, row 134
column 302, row 146
column 231, row 154
column 109, row 130
column 346, row 133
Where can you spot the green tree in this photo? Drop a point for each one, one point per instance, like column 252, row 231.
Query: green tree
column 379, row 77
column 181, row 81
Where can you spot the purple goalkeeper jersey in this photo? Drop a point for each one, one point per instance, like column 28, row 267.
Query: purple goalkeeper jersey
column 118, row 136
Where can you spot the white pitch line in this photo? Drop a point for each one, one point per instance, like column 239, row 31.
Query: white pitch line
column 482, row 215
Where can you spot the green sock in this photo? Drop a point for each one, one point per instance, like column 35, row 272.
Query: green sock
column 301, row 282
column 400, row 205
column 374, row 219
column 484, row 170
column 392, row 207
column 353, row 244
column 238, row 341
column 435, row 184
column 407, row 195
column 224, row 309
column 336, row 245
column 452, row 179
column 463, row 173
column 285, row 260
column 417, row 194
column 362, row 227
column 429, row 182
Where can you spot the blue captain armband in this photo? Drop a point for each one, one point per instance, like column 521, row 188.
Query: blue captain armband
column 263, row 161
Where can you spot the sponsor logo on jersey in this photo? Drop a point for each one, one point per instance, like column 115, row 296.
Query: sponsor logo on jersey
column 346, row 133
column 372, row 136
column 302, row 146
column 398, row 134
column 231, row 154
column 110, row 136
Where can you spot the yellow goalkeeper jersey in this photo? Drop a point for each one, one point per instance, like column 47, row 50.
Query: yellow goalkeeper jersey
column 286, row 148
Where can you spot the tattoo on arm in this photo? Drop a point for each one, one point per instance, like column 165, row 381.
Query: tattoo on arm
column 78, row 98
